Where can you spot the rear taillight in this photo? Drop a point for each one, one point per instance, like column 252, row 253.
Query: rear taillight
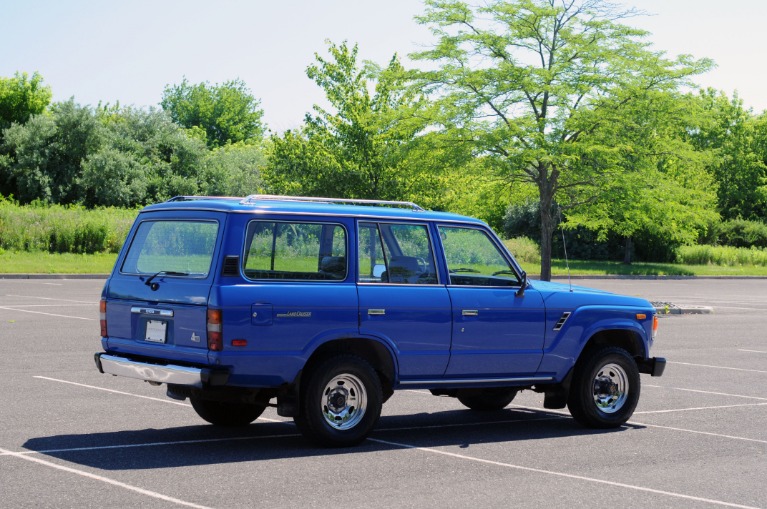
column 215, row 336
column 103, row 317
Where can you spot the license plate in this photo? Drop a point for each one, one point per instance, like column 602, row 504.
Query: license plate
column 155, row 331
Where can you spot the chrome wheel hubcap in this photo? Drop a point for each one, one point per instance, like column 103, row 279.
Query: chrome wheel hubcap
column 344, row 401
column 610, row 388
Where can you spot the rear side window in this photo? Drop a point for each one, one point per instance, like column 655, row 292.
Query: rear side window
column 295, row 251
column 180, row 248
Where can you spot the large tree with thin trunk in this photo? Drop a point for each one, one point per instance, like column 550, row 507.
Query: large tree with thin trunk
column 527, row 82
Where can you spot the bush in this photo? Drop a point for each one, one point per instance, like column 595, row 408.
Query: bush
column 62, row 229
column 525, row 250
column 721, row 255
column 742, row 233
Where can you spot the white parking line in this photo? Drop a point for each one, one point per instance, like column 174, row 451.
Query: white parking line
column 697, row 408
column 559, row 474
column 706, row 392
column 716, row 367
column 751, row 351
column 17, row 306
column 47, row 314
column 94, row 303
column 170, row 401
column 82, row 473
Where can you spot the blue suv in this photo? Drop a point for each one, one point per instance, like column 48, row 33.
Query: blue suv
column 323, row 307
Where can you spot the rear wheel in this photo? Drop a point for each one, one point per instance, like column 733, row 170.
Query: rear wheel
column 487, row 400
column 226, row 413
column 341, row 402
column 605, row 388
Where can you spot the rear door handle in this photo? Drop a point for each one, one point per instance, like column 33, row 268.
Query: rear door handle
column 470, row 312
column 376, row 312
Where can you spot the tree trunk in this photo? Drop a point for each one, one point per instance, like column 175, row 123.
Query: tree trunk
column 628, row 250
column 547, row 232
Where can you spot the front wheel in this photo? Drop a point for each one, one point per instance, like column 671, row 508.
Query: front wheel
column 605, row 388
column 226, row 413
column 341, row 402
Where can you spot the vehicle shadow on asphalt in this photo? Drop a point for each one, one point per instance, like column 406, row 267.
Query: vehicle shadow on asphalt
column 261, row 441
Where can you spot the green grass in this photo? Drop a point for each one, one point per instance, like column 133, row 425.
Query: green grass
column 101, row 263
column 55, row 263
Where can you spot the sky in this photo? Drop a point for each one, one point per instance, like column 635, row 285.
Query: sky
column 129, row 51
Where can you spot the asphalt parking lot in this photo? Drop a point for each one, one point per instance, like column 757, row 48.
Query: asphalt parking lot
column 72, row 437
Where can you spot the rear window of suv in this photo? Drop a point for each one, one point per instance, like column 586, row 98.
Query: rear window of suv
column 295, row 251
column 179, row 248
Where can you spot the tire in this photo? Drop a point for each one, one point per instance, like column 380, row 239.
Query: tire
column 340, row 402
column 487, row 400
column 225, row 413
column 605, row 388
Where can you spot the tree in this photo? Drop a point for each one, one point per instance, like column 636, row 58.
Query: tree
column 227, row 113
column 740, row 167
column 21, row 97
column 527, row 82
column 359, row 147
column 662, row 189
column 45, row 154
column 144, row 158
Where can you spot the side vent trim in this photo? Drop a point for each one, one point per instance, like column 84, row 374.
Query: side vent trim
column 562, row 320
column 231, row 266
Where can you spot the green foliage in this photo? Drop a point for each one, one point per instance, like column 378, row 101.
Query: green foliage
column 525, row 250
column 721, row 255
column 226, row 113
column 22, row 97
column 526, row 82
column 234, row 170
column 60, row 229
column 366, row 145
column 45, row 154
column 737, row 139
column 739, row 233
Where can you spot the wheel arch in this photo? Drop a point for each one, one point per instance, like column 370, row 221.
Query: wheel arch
column 374, row 352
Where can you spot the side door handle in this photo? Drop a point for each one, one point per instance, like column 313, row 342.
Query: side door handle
column 376, row 312
column 470, row 312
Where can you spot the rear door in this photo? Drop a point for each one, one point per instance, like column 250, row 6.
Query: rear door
column 158, row 293
column 400, row 298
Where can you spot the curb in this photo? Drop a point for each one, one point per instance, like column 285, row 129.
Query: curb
column 668, row 308
column 54, row 276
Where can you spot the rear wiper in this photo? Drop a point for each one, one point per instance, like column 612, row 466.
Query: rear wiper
column 148, row 281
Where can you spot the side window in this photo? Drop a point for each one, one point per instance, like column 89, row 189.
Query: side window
column 473, row 259
column 295, row 251
column 396, row 253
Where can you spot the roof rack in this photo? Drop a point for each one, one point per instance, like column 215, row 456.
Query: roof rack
column 190, row 198
column 265, row 197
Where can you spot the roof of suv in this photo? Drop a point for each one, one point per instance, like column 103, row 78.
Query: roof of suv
column 314, row 206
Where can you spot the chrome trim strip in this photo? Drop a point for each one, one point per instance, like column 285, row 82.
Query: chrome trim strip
column 478, row 380
column 152, row 311
column 178, row 375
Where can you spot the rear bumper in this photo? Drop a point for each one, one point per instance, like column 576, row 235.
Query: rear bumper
column 160, row 373
column 653, row 366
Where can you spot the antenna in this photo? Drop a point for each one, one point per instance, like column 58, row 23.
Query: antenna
column 564, row 246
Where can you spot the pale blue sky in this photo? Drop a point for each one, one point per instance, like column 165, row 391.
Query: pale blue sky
column 127, row 51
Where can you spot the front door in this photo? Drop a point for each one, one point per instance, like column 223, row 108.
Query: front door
column 496, row 332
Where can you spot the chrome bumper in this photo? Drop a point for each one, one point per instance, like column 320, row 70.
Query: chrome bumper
column 160, row 373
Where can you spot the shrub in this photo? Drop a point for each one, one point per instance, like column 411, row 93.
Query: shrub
column 721, row 255
column 62, row 229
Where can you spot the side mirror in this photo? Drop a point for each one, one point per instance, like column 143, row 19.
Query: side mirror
column 523, row 285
